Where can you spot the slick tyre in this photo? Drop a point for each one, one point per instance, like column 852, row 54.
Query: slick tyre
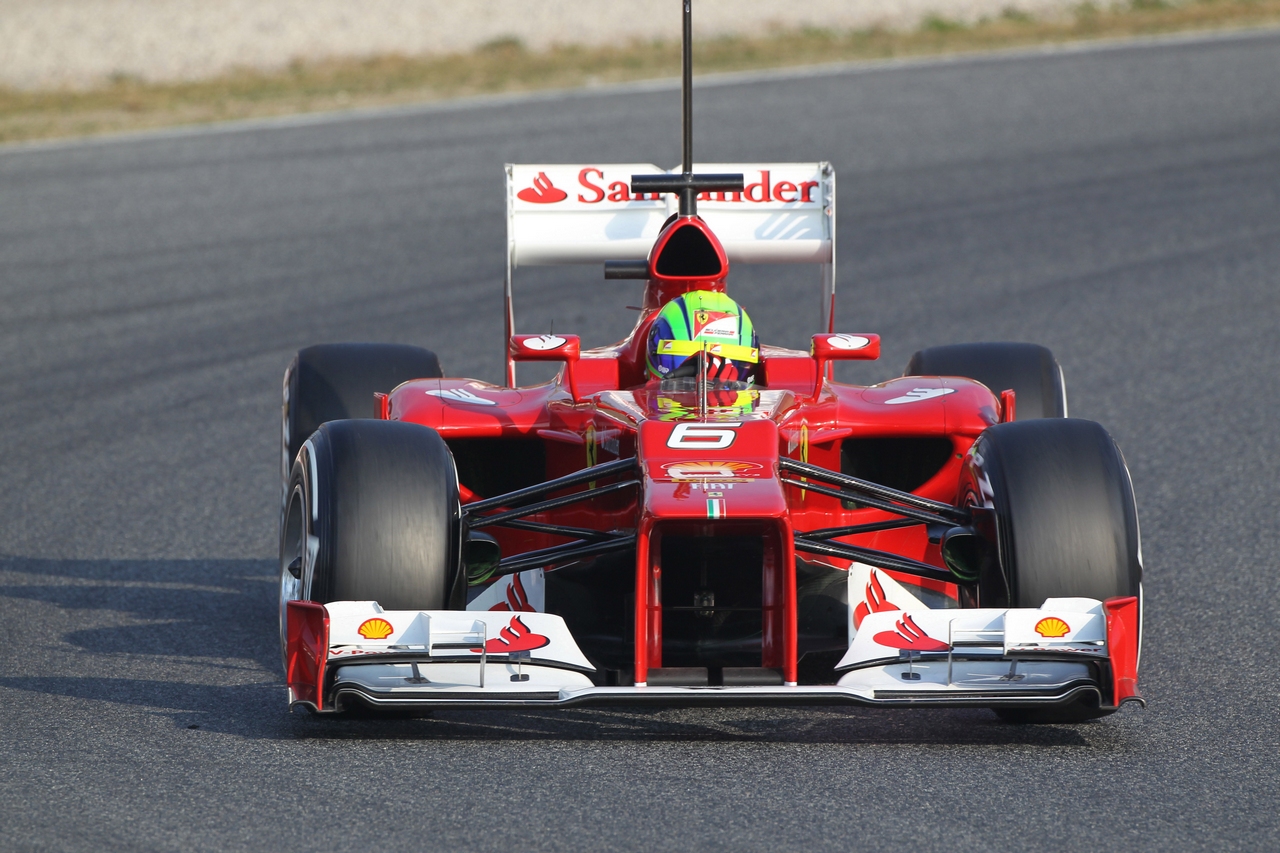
column 1029, row 370
column 372, row 514
column 333, row 382
column 1065, row 521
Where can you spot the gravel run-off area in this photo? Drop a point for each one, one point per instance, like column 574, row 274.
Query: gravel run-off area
column 78, row 43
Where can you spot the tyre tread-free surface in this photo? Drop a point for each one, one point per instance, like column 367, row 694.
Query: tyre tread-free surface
column 1029, row 370
column 386, row 514
column 1066, row 522
column 330, row 382
column 1065, row 510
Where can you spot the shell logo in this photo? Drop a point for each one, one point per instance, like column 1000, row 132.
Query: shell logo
column 714, row 469
column 375, row 629
column 1052, row 627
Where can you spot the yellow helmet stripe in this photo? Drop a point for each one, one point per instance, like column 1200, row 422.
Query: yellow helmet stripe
column 734, row 352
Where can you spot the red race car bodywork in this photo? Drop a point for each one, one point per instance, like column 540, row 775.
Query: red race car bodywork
column 798, row 540
column 946, row 538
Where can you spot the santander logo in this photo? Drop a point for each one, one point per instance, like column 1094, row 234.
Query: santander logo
column 876, row 601
column 763, row 186
column 542, row 191
column 516, row 637
column 908, row 635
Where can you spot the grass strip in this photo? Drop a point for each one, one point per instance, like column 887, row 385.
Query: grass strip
column 124, row 103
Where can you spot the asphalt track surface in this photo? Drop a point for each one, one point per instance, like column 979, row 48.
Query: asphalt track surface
column 1120, row 206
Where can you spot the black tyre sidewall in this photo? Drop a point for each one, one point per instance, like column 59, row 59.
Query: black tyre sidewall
column 386, row 514
column 294, row 527
column 1066, row 525
column 1065, row 511
column 330, row 382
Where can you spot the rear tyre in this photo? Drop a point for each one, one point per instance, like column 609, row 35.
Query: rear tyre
column 372, row 514
column 1029, row 369
column 1066, row 523
column 332, row 382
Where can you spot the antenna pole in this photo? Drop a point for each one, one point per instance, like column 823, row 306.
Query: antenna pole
column 688, row 185
column 702, row 383
column 688, row 196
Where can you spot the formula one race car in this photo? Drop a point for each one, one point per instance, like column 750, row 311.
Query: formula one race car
column 689, row 517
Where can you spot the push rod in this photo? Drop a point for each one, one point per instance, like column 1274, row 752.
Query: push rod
column 476, row 522
column 561, row 530
column 560, row 554
column 874, row 489
column 872, row 557
column 873, row 503
column 855, row 529
column 586, row 475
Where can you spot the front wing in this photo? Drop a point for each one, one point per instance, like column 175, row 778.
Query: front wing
column 1060, row 653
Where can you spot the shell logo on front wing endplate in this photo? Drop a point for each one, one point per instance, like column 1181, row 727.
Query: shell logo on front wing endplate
column 375, row 629
column 1052, row 627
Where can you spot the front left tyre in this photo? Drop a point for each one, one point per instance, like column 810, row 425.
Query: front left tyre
column 1029, row 370
column 1065, row 523
column 372, row 514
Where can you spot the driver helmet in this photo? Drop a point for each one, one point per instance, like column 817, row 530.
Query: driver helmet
column 702, row 320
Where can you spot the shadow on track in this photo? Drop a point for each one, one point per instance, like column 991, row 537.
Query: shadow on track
column 206, row 656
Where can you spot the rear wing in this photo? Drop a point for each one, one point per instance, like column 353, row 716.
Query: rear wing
column 588, row 214
column 579, row 214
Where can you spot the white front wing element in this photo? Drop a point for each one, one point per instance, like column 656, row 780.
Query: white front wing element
column 1061, row 626
column 946, row 657
column 985, row 652
column 360, row 629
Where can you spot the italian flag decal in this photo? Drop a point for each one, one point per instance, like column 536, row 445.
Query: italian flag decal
column 715, row 508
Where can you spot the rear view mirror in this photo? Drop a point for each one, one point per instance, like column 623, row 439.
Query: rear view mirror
column 841, row 347
column 566, row 348
column 845, row 348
